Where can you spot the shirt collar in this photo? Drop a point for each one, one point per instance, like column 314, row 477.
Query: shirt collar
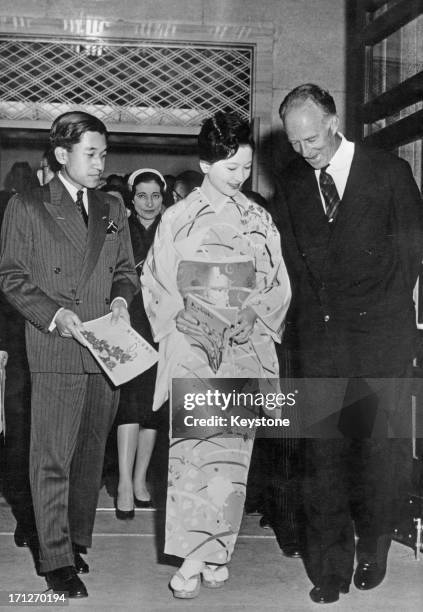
column 343, row 155
column 71, row 188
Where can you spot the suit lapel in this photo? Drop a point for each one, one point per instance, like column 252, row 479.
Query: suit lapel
column 98, row 214
column 310, row 211
column 354, row 202
column 65, row 215
column 318, row 237
column 310, row 222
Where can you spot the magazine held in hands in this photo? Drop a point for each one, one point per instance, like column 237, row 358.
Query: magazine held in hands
column 214, row 329
column 119, row 349
column 214, row 292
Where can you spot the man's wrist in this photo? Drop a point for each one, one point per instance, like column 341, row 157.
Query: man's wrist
column 52, row 325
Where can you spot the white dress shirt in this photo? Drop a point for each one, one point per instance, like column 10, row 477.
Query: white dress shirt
column 73, row 191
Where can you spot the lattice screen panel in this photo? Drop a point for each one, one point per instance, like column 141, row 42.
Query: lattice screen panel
column 123, row 83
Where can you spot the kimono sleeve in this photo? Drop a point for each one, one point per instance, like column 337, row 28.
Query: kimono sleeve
column 162, row 300
column 272, row 295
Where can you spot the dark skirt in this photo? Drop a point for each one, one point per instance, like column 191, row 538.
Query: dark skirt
column 136, row 396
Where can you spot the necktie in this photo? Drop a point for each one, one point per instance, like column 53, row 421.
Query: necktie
column 80, row 205
column 330, row 194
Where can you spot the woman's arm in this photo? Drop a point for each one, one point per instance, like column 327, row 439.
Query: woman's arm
column 270, row 300
column 162, row 300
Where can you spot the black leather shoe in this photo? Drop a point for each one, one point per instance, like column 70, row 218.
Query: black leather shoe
column 20, row 538
column 291, row 549
column 329, row 589
column 66, row 580
column 81, row 566
column 25, row 536
column 368, row 575
column 264, row 523
column 124, row 515
column 139, row 503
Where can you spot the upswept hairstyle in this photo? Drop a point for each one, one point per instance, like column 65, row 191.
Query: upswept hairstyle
column 68, row 129
column 221, row 136
column 305, row 92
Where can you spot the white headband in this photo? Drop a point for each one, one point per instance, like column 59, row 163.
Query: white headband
column 141, row 171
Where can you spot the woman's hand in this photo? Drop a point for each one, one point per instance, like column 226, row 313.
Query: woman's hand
column 244, row 327
column 187, row 324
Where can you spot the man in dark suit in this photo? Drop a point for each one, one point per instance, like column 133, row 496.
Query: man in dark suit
column 352, row 232
column 65, row 258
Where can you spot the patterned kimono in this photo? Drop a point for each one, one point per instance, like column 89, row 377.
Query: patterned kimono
column 226, row 252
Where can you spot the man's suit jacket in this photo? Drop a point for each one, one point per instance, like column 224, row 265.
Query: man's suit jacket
column 50, row 259
column 352, row 283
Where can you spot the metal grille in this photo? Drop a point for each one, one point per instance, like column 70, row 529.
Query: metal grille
column 134, row 84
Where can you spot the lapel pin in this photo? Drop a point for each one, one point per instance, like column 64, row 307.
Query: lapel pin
column 112, row 228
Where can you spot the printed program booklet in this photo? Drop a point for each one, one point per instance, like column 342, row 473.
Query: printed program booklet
column 214, row 328
column 119, row 349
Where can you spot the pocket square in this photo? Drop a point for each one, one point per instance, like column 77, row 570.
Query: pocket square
column 111, row 228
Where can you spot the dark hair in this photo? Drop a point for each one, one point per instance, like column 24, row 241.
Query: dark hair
column 191, row 178
column 221, row 136
column 52, row 162
column 115, row 179
column 108, row 188
column 170, row 181
column 305, row 92
column 168, row 196
column 67, row 129
column 148, row 177
column 21, row 178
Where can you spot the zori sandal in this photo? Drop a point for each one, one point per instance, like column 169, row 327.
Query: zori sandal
column 185, row 588
column 214, row 576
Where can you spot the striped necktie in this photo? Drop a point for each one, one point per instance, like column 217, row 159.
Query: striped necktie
column 330, row 194
column 80, row 205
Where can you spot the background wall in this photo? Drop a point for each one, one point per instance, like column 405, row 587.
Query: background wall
column 307, row 42
column 116, row 162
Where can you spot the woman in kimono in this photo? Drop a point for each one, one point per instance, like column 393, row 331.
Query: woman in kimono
column 218, row 248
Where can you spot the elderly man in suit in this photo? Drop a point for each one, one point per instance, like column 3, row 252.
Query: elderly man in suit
column 65, row 259
column 353, row 241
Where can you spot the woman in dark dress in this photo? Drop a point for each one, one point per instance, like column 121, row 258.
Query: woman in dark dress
column 136, row 423
column 14, row 448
